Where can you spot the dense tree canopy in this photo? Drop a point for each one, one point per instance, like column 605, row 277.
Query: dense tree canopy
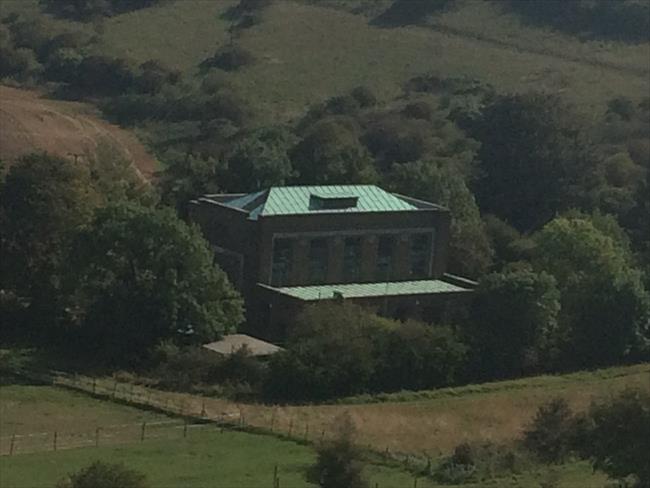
column 514, row 325
column 43, row 201
column 140, row 275
column 605, row 308
column 534, row 160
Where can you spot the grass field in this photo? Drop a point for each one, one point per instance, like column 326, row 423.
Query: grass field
column 306, row 52
column 205, row 458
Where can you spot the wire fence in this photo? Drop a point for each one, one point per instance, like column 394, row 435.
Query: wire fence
column 191, row 412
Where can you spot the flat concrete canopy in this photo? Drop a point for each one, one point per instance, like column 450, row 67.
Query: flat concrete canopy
column 232, row 343
column 369, row 290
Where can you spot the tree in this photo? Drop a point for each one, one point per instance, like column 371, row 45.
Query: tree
column 619, row 439
column 534, row 160
column 329, row 353
column 104, row 475
column 514, row 322
column 605, row 308
column 330, row 153
column 339, row 463
column 259, row 160
column 440, row 181
column 417, row 356
column 141, row 275
column 550, row 435
column 43, row 201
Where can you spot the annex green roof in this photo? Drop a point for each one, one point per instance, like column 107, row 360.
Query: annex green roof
column 297, row 200
column 369, row 290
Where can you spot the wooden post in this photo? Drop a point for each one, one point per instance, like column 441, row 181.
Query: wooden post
column 322, row 435
column 204, row 413
column 12, row 445
column 415, row 482
column 273, row 421
column 56, row 435
column 307, row 430
column 275, row 475
column 185, row 428
column 144, row 426
column 97, row 437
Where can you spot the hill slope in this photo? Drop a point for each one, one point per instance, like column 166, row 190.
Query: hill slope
column 30, row 123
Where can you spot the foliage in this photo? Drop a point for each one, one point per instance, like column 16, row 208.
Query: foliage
column 336, row 350
column 626, row 20
column 229, row 58
column 605, row 307
column 87, row 10
column 619, row 438
column 441, row 182
column 339, row 461
column 514, row 323
column 405, row 12
column 104, row 475
column 416, row 356
column 471, row 462
column 534, row 159
column 551, row 435
column 259, row 159
column 139, row 276
column 43, row 201
column 331, row 153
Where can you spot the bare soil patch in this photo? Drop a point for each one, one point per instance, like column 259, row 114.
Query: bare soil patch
column 31, row 123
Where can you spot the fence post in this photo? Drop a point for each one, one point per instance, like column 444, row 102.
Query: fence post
column 275, row 476
column 307, row 430
column 97, row 437
column 12, row 445
column 144, row 426
column 185, row 428
column 56, row 435
column 273, row 420
column 204, row 413
column 322, row 435
column 415, row 482
column 94, row 386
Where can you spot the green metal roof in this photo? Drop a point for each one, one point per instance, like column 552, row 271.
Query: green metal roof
column 369, row 290
column 296, row 200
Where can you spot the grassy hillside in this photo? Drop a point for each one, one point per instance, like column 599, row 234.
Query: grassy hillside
column 306, row 52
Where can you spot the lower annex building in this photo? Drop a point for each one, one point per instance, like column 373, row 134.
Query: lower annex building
column 285, row 247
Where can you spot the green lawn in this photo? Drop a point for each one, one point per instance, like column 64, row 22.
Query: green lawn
column 207, row 458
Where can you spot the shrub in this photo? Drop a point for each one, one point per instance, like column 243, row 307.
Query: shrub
column 104, row 475
column 551, row 435
column 364, row 96
column 229, row 58
column 339, row 463
column 618, row 442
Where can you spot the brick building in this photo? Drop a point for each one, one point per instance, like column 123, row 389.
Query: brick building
column 287, row 246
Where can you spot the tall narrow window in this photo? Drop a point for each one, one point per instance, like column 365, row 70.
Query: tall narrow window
column 318, row 254
column 282, row 257
column 352, row 259
column 420, row 255
column 385, row 246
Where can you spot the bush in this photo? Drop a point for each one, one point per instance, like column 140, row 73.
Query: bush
column 104, row 475
column 471, row 462
column 618, row 442
column 552, row 433
column 364, row 96
column 229, row 58
column 339, row 462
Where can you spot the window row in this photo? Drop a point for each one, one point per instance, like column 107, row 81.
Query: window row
column 418, row 259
